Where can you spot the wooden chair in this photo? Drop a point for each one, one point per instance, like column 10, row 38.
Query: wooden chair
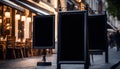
column 10, row 47
column 28, row 47
column 19, row 47
column 3, row 48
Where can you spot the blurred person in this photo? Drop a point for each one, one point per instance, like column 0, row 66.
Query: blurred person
column 117, row 39
column 111, row 40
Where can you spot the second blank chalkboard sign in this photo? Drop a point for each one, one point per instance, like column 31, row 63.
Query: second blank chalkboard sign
column 72, row 37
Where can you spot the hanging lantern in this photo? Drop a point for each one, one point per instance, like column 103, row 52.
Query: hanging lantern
column 7, row 13
column 23, row 17
column 17, row 17
column 29, row 19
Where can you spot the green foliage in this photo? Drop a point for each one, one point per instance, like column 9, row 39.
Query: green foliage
column 114, row 8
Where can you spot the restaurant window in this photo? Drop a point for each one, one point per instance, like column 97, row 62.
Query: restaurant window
column 1, row 20
column 21, row 30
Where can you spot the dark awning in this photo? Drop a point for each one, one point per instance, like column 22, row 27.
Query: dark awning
column 12, row 4
column 34, row 8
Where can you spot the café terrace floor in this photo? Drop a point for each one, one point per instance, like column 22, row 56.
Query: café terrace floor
column 31, row 62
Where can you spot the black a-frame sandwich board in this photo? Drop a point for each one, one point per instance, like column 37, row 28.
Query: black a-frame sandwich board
column 44, row 35
column 72, row 38
column 97, row 34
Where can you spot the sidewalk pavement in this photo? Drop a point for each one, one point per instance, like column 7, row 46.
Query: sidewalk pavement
column 31, row 62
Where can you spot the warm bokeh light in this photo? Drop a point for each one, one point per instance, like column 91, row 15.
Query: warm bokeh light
column 7, row 24
column 78, row 0
column 8, row 27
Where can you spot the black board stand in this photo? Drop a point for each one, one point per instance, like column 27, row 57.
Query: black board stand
column 106, row 56
column 58, row 66
column 44, row 63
